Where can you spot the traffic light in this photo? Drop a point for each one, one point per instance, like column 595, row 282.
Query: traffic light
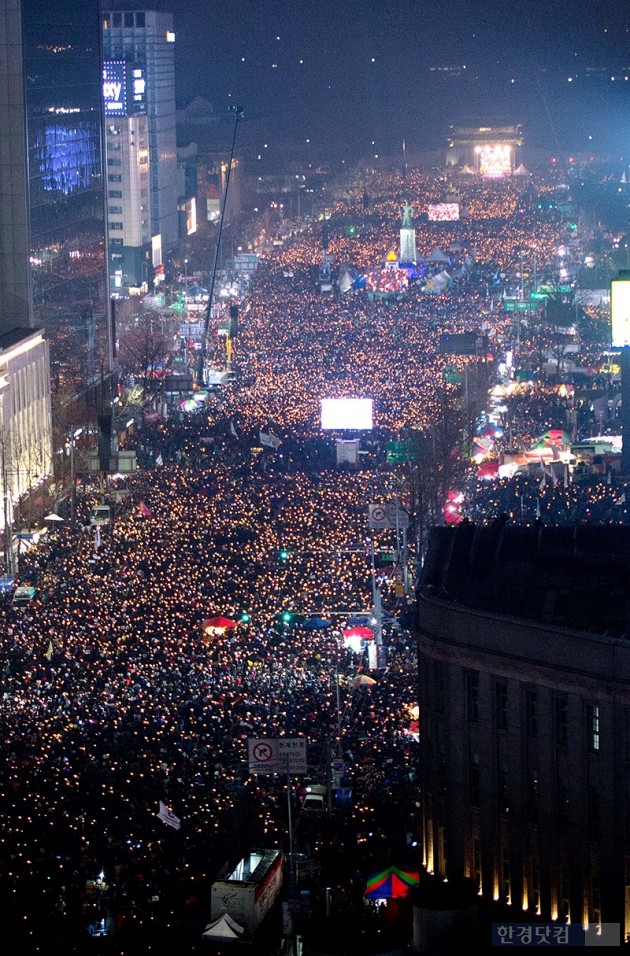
column 283, row 555
column 246, row 617
column 286, row 617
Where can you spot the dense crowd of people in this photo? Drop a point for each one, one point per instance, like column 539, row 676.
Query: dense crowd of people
column 116, row 696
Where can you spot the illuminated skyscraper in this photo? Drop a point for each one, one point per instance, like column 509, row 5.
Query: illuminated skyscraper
column 61, row 92
column 53, row 278
column 143, row 40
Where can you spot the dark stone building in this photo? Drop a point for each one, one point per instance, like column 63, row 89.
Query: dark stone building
column 524, row 656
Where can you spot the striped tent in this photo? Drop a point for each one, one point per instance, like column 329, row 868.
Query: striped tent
column 390, row 884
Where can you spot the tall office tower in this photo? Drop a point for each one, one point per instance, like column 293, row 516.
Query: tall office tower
column 53, row 276
column 15, row 292
column 144, row 40
column 128, row 174
column 61, row 80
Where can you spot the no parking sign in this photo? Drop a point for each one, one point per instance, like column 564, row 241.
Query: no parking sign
column 277, row 755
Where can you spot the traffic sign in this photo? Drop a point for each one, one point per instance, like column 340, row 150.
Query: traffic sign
column 387, row 515
column 277, row 755
column 401, row 451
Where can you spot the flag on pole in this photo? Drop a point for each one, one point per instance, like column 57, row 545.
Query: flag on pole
column 233, row 428
column 609, row 477
column 168, row 817
column 543, row 481
column 538, row 507
column 621, row 500
column 49, row 653
column 142, row 508
column 270, row 440
column 97, row 538
column 566, row 476
column 159, row 460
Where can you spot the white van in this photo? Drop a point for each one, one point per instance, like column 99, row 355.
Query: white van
column 315, row 799
column 23, row 595
column 100, row 514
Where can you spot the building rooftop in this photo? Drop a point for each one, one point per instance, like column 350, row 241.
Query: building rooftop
column 573, row 577
column 16, row 335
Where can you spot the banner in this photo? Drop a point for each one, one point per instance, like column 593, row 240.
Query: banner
column 168, row 817
column 270, row 440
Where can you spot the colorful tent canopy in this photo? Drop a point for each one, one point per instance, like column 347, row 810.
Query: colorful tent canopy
column 390, row 884
column 367, row 633
column 362, row 680
column 554, row 436
column 216, row 625
column 488, row 469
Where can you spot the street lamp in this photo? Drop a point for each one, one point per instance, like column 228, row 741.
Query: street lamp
column 185, row 290
column 73, row 494
column 237, row 112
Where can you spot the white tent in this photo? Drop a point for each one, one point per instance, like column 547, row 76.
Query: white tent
column 467, row 171
column 521, row 171
column 438, row 256
column 441, row 280
column 224, row 928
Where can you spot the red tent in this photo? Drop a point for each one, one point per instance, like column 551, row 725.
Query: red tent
column 359, row 631
column 488, row 469
column 213, row 626
column 391, row 884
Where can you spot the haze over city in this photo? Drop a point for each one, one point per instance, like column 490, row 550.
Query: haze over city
column 356, row 77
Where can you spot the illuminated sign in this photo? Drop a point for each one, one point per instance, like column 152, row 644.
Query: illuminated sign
column 495, row 161
column 139, row 89
column 124, row 88
column 620, row 312
column 115, row 88
column 343, row 413
column 443, row 211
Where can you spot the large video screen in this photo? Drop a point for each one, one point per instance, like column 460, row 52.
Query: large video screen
column 620, row 312
column 346, row 413
column 495, row 161
column 443, row 211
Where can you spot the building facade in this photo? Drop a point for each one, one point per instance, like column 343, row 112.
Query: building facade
column 490, row 151
column 15, row 275
column 142, row 41
column 524, row 654
column 25, row 415
column 62, row 100
column 54, row 307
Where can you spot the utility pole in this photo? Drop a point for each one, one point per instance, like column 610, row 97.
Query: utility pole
column 238, row 114
column 73, row 492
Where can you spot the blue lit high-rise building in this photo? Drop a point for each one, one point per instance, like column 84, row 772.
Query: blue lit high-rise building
column 52, row 120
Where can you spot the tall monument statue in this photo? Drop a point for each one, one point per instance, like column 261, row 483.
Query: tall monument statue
column 408, row 254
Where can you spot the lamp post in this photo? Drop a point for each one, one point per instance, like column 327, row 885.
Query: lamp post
column 8, row 526
column 73, row 494
column 238, row 114
column 186, row 290
column 336, row 640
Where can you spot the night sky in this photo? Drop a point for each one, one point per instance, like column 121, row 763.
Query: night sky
column 344, row 74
